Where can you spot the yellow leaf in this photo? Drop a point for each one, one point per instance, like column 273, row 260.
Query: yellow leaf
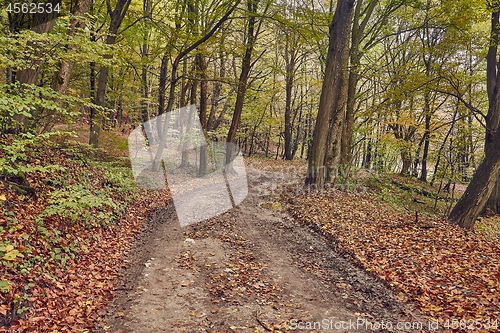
column 3, row 197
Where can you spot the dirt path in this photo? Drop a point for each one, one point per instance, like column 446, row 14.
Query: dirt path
column 252, row 269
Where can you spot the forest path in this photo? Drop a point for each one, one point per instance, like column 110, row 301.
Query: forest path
column 251, row 269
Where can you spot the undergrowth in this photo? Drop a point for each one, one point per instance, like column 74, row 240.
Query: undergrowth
column 56, row 196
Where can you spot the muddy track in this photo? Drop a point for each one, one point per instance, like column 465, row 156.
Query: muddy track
column 252, row 269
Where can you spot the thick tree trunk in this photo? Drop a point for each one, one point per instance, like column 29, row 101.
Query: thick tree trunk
column 441, row 148
column 472, row 203
column 482, row 185
column 336, row 131
column 406, row 158
column 493, row 120
column 317, row 166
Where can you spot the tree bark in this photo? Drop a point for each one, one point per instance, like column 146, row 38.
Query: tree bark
column 173, row 82
column 243, row 79
column 317, row 166
column 43, row 22
column 202, row 68
column 483, row 183
column 60, row 81
column 290, row 69
column 145, row 89
column 355, row 59
column 492, row 121
column 472, row 203
column 427, row 134
column 217, row 89
column 117, row 16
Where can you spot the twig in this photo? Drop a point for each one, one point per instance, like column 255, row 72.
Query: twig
column 262, row 323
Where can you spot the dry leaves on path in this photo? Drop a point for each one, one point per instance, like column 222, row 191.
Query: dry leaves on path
column 453, row 275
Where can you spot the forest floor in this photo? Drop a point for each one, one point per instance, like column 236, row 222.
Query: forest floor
column 252, row 269
column 85, row 251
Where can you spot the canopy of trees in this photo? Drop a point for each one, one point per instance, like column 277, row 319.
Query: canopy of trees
column 406, row 86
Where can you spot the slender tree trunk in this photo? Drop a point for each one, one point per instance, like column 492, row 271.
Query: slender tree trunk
column 355, row 60
column 202, row 68
column 162, row 88
column 427, row 134
column 117, row 16
column 145, row 89
column 290, row 62
column 243, row 79
column 367, row 158
column 336, row 131
column 440, row 151
column 288, row 116
column 180, row 56
column 339, row 28
column 493, row 119
column 217, row 90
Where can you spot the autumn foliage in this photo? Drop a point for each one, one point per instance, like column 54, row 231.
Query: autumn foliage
column 452, row 274
column 59, row 266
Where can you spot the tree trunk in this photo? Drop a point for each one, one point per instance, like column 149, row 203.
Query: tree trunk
column 290, row 60
column 406, row 158
column 187, row 126
column 483, row 183
column 145, row 90
column 217, row 89
column 472, row 203
column 43, row 22
column 202, row 68
column 317, row 166
column 61, row 77
column 427, row 134
column 367, row 158
column 493, row 119
column 355, row 60
column 117, row 16
column 493, row 203
column 243, row 80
